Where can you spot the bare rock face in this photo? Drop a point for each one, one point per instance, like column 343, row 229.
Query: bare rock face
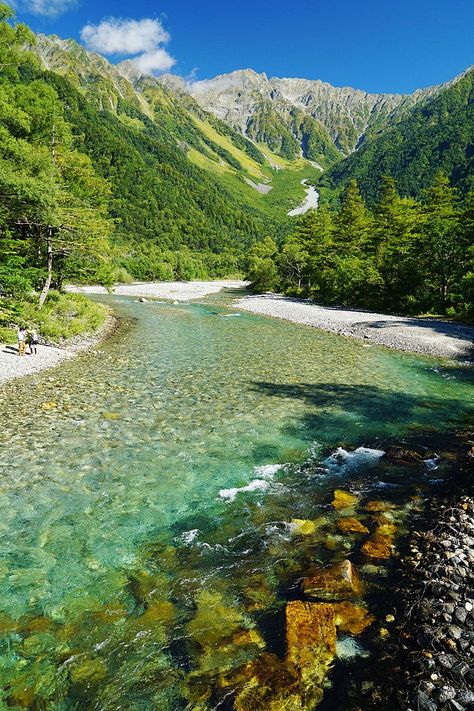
column 347, row 114
column 337, row 582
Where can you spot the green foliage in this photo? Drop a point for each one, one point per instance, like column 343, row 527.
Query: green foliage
column 438, row 134
column 262, row 270
column 63, row 316
column 404, row 256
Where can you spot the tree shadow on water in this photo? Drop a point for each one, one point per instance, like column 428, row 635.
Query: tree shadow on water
column 351, row 410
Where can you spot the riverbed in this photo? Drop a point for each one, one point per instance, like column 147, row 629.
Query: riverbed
column 150, row 492
column 310, row 202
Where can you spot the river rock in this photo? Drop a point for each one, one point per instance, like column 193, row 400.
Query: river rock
column 351, row 525
column 379, row 506
column 403, row 456
column 303, row 526
column 214, row 620
column 351, row 618
column 343, row 499
column 336, row 582
column 378, row 546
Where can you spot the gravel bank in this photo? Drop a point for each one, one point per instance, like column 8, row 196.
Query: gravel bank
column 171, row 290
column 12, row 366
column 434, row 656
column 426, row 336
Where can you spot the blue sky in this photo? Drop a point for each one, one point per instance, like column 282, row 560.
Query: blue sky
column 376, row 45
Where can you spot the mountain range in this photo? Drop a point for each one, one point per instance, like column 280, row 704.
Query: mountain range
column 242, row 126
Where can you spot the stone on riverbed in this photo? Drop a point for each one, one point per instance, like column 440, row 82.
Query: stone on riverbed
column 310, row 634
column 352, row 618
column 379, row 506
column 337, row 582
column 351, row 525
column 303, row 527
column 344, row 500
column 378, row 545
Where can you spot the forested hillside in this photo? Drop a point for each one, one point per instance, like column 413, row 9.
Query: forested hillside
column 96, row 195
column 436, row 135
column 403, row 255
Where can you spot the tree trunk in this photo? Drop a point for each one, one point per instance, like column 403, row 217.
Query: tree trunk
column 49, row 251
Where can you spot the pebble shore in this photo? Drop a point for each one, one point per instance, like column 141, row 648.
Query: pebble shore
column 439, row 630
column 13, row 366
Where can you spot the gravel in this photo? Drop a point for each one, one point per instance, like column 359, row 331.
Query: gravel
column 13, row 366
column 170, row 290
column 426, row 336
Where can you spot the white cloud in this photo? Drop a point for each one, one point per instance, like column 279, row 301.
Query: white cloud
column 151, row 62
column 141, row 40
column 49, row 8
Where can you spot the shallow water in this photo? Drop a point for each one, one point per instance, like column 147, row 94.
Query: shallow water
column 137, row 477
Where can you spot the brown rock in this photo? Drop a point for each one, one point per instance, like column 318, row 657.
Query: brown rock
column 337, row 582
column 378, row 546
column 403, row 456
column 352, row 618
column 343, row 499
column 351, row 525
column 310, row 633
column 376, row 506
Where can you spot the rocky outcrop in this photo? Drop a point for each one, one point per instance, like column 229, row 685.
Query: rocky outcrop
column 348, row 115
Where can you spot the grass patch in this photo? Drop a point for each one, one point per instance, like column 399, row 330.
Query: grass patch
column 251, row 166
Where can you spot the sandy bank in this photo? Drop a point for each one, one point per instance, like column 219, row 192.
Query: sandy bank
column 426, row 336
column 172, row 290
column 13, row 366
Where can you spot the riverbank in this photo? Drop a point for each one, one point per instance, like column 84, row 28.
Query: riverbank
column 169, row 290
column 12, row 366
column 432, row 337
column 432, row 651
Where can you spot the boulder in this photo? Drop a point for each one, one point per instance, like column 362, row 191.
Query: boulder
column 336, row 582
column 344, row 500
column 351, row 525
column 310, row 633
column 403, row 456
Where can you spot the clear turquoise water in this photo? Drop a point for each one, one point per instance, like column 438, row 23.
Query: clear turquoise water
column 112, row 468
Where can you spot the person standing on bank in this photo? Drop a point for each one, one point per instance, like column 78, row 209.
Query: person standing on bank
column 33, row 341
column 21, row 336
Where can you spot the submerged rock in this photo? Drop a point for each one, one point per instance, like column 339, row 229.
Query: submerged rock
column 378, row 546
column 403, row 456
column 336, row 582
column 343, row 499
column 310, row 632
column 379, row 506
column 303, row 526
column 352, row 618
column 351, row 525
column 88, row 671
column 214, row 621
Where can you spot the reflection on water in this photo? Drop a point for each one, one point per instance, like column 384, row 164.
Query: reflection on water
column 145, row 524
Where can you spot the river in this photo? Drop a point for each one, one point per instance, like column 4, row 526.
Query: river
column 310, row 202
column 148, row 490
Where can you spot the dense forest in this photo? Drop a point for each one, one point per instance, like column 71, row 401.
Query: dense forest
column 403, row 255
column 90, row 197
column 438, row 134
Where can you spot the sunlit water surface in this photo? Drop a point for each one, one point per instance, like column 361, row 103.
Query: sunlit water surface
column 135, row 477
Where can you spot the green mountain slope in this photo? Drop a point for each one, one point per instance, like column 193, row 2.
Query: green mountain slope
column 209, row 143
column 435, row 135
